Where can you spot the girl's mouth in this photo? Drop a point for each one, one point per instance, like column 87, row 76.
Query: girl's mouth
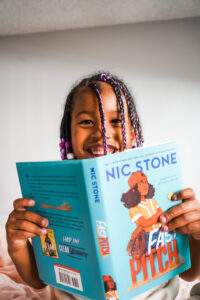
column 98, row 150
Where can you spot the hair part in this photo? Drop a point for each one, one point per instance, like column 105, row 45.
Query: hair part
column 119, row 88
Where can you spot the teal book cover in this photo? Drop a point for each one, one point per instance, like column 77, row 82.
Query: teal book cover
column 104, row 239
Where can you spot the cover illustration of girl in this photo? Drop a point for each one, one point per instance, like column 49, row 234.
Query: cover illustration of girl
column 110, row 288
column 144, row 211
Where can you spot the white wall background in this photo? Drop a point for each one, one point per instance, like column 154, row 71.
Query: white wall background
column 160, row 62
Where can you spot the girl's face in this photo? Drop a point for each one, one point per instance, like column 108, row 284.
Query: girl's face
column 86, row 132
column 110, row 284
column 143, row 187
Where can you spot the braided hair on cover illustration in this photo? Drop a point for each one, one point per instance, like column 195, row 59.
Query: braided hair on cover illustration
column 94, row 83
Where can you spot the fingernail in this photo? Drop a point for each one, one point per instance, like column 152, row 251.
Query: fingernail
column 165, row 228
column 43, row 231
column 163, row 219
column 31, row 202
column 174, row 197
column 44, row 223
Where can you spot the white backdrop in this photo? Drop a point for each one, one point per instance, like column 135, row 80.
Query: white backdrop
column 160, row 62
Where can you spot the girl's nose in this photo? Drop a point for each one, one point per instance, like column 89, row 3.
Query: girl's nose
column 97, row 131
column 109, row 132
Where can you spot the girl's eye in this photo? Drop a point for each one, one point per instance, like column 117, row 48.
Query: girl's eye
column 116, row 121
column 86, row 122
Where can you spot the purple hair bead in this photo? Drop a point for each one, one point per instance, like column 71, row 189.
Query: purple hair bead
column 66, row 150
column 68, row 145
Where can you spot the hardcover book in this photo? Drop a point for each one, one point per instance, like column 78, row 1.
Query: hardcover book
column 104, row 239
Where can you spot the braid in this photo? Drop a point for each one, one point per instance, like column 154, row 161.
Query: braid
column 65, row 127
column 97, row 90
column 121, row 105
column 118, row 87
column 135, row 122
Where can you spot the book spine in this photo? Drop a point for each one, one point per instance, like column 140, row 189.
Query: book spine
column 98, row 218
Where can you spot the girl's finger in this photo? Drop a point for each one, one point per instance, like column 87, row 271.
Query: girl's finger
column 29, row 216
column 182, row 230
column 185, row 194
column 17, row 239
column 192, row 229
column 23, row 225
column 185, row 219
column 178, row 210
column 22, row 203
column 22, row 235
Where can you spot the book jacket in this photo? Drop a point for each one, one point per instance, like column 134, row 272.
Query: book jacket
column 104, row 239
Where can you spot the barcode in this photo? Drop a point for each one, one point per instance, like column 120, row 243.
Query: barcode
column 64, row 278
column 68, row 277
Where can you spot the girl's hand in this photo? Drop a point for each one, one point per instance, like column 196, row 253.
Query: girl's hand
column 185, row 217
column 23, row 224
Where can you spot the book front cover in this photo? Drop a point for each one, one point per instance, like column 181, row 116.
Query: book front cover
column 137, row 188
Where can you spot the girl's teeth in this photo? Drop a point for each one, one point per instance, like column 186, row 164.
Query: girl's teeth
column 101, row 152
column 98, row 153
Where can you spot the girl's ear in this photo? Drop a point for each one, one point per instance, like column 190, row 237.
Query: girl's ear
column 133, row 140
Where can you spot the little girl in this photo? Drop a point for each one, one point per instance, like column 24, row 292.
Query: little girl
column 100, row 118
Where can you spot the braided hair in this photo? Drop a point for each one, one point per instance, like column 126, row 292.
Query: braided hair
column 119, row 88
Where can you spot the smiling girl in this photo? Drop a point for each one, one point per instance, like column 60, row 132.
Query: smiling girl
column 99, row 118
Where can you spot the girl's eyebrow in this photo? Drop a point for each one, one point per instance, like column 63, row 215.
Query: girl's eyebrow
column 83, row 112
column 90, row 112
